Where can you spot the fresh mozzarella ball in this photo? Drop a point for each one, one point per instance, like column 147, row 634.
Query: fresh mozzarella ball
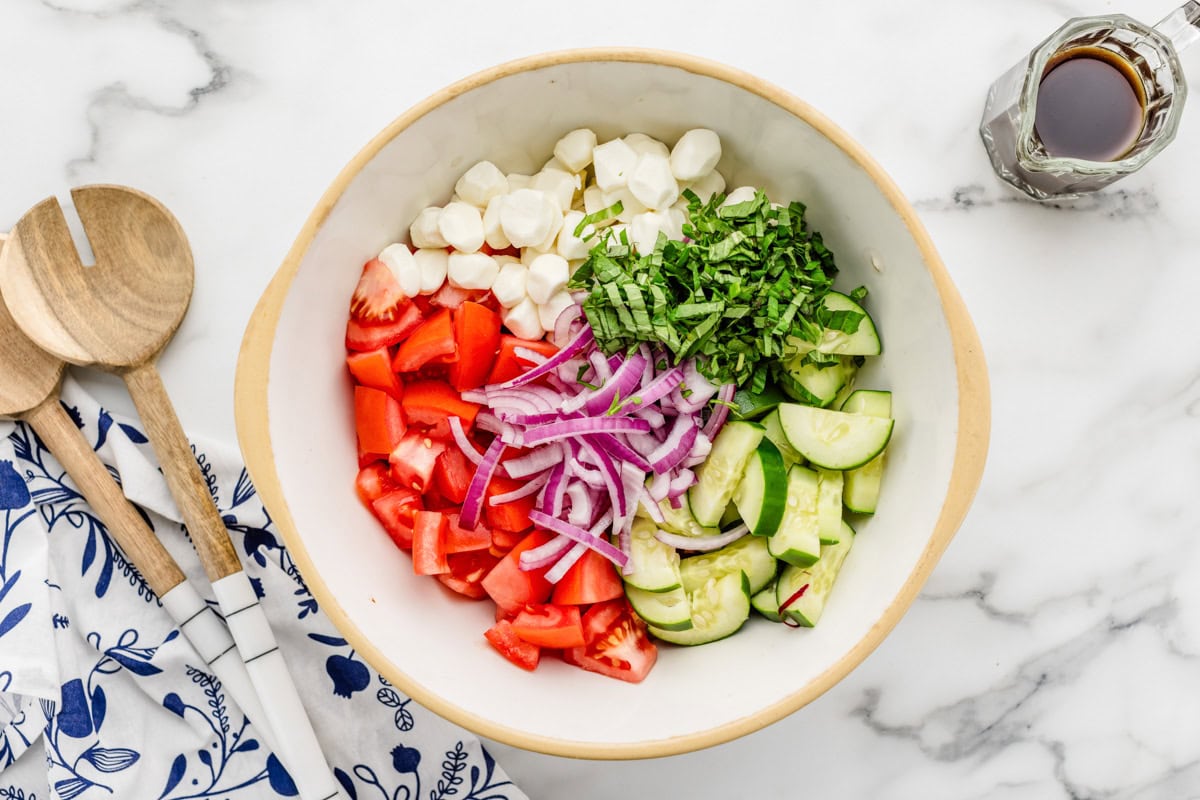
column 548, row 313
column 481, row 183
column 462, row 227
column 672, row 223
column 652, row 183
column 696, row 154
column 528, row 217
column 432, row 264
column 641, row 144
column 522, row 319
column 528, row 254
column 509, row 288
column 575, row 149
column 517, row 181
column 596, row 199
column 547, row 244
column 630, row 205
column 424, row 231
column 707, row 185
column 740, row 195
column 493, row 232
column 571, row 246
column 613, row 162
column 644, row 230
column 399, row 259
column 559, row 185
column 472, row 270
column 548, row 275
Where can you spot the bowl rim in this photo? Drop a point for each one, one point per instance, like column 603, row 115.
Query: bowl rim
column 974, row 412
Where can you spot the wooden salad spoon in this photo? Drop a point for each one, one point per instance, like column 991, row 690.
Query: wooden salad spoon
column 30, row 392
column 118, row 315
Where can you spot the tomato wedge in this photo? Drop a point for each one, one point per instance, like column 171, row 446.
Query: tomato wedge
column 508, row 364
column 372, row 482
column 511, row 516
column 374, row 369
column 430, row 402
column 520, row 652
column 615, row 643
column 549, row 625
column 432, row 339
column 363, row 337
column 512, row 587
column 476, row 337
column 453, row 474
column 413, row 460
column 466, row 572
column 429, row 543
column 378, row 296
column 591, row 579
column 378, row 421
column 395, row 510
column 462, row 540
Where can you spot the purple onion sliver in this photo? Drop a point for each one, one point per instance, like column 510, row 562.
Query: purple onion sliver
column 720, row 411
column 526, row 489
column 582, row 509
column 562, row 324
column 531, row 356
column 581, row 340
column 580, row 535
column 546, row 554
column 701, row 544
column 568, row 559
column 537, row 460
column 464, row 444
column 652, row 508
column 473, row 502
column 570, row 428
column 618, row 448
column 677, row 447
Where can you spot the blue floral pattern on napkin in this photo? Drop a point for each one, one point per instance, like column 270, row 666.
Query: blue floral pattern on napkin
column 101, row 697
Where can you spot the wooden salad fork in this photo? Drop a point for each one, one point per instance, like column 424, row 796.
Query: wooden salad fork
column 118, row 315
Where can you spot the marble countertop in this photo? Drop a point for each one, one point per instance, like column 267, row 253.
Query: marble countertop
column 1054, row 652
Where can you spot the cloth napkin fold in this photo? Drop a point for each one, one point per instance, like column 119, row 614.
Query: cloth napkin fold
column 100, row 696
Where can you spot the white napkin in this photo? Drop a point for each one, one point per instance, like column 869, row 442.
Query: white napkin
column 101, row 698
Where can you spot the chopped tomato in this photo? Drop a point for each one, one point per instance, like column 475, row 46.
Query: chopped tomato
column 433, row 338
column 413, row 460
column 378, row 420
column 508, row 364
column 466, row 572
column 476, row 337
column 506, row 540
column 452, row 296
column 591, row 579
column 373, row 482
column 429, row 402
column 396, row 509
column 512, row 587
column 549, row 625
column 514, row 648
column 360, row 336
column 453, row 474
column 377, row 297
column 461, row 540
column 513, row 515
column 429, row 543
column 615, row 643
column 374, row 368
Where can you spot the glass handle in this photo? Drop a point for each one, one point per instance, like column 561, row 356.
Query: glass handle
column 1182, row 26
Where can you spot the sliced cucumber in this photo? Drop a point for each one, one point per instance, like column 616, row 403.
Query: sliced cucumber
column 753, row 406
column 813, row 385
column 719, row 475
column 730, row 517
column 774, row 432
column 807, row 609
column 761, row 493
column 764, row 603
column 861, row 491
column 748, row 554
column 718, row 607
column 668, row 611
column 798, row 540
column 829, row 505
column 655, row 566
column 680, row 521
column 863, row 342
column 834, row 439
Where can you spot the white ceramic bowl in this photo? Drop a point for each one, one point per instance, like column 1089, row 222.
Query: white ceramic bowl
column 296, row 429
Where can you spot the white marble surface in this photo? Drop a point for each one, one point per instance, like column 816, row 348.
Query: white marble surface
column 1055, row 651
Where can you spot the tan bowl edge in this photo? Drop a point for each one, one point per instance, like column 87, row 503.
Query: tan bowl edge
column 974, row 415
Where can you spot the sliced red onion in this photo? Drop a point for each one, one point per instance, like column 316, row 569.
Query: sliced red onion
column 530, row 487
column 678, row 446
column 556, row 487
column 531, row 356
column 464, row 444
column 683, row 480
column 656, row 390
column 537, row 460
column 701, row 544
column 580, row 535
column 623, row 383
column 518, row 401
column 473, row 503
column 612, row 478
column 559, row 570
column 562, row 324
column 720, row 410
column 487, row 421
column 570, row 428
column 591, row 478
column 701, row 390
column 659, row 486
column 602, row 523
column 581, row 504
column 655, row 417
column 546, row 554
column 475, row 396
column 600, row 367
column 618, row 448
column 652, row 508
column 581, row 340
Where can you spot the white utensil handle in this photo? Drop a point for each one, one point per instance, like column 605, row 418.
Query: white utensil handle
column 298, row 747
column 209, row 636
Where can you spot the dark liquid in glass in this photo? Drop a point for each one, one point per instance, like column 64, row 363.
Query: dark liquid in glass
column 1090, row 106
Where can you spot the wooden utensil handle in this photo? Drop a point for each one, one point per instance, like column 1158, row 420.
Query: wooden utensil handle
column 125, row 525
column 183, row 475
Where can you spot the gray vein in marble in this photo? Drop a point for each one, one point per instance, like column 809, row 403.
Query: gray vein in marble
column 980, row 596
column 1113, row 203
column 117, row 95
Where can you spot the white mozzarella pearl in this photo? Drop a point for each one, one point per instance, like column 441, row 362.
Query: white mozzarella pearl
column 493, row 232
column 613, row 162
column 571, row 246
column 481, row 183
column 472, row 270
column 399, row 259
column 641, row 144
column 528, row 217
column 707, row 185
column 559, row 185
column 424, row 230
column 461, row 226
column 509, row 288
column 740, row 195
column 548, row 313
column 432, row 264
column 548, row 275
column 696, row 154
column 652, row 183
column 522, row 319
column 644, row 230
column 518, row 181
column 575, row 149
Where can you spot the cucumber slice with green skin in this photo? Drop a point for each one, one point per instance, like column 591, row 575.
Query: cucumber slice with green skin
column 834, row 439
column 748, row 554
column 798, row 540
column 762, row 491
column 731, row 516
column 774, row 432
column 817, row 582
column 718, row 477
column 844, row 393
column 668, row 611
column 863, row 342
column 719, row 607
column 654, row 565
column 829, row 505
column 764, row 603
column 813, row 385
column 680, row 521
column 861, row 491
column 755, row 406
